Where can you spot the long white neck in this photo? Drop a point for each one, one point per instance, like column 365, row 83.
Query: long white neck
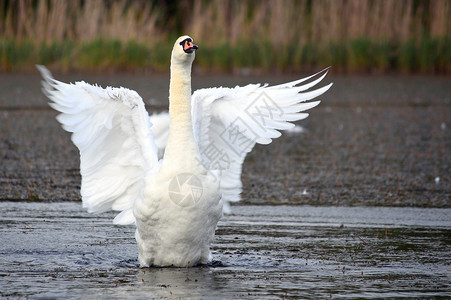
column 181, row 150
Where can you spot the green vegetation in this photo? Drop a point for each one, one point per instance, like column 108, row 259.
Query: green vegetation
column 265, row 36
column 359, row 55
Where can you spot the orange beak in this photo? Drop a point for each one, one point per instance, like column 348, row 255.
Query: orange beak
column 189, row 47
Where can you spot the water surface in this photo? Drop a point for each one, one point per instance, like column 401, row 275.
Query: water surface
column 58, row 250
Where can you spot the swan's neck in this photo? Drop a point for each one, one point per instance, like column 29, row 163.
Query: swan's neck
column 181, row 150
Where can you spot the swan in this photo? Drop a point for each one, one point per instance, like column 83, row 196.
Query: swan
column 173, row 179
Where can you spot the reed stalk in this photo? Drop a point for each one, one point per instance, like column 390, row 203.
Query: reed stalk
column 266, row 35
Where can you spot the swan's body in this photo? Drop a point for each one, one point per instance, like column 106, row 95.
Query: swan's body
column 177, row 201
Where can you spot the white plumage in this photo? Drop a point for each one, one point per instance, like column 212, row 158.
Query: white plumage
column 172, row 174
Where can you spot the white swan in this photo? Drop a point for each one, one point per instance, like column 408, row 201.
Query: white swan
column 177, row 201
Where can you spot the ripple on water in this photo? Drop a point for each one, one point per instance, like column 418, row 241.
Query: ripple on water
column 58, row 250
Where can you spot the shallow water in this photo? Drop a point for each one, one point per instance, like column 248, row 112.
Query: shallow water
column 56, row 250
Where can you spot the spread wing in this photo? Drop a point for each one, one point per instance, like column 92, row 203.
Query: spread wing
column 111, row 128
column 160, row 129
column 228, row 122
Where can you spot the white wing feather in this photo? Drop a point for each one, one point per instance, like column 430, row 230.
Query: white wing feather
column 111, row 128
column 229, row 122
column 160, row 129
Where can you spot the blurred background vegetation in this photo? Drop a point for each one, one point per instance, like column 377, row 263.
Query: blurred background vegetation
column 365, row 36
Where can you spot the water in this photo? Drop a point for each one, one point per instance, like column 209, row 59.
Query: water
column 57, row 250
column 373, row 141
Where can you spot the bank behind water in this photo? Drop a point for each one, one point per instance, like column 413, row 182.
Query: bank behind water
column 373, row 141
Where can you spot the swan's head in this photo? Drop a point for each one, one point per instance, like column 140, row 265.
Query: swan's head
column 184, row 50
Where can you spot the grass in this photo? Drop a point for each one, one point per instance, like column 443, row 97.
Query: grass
column 429, row 55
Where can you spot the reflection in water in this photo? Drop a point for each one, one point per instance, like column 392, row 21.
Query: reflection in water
column 179, row 282
column 58, row 250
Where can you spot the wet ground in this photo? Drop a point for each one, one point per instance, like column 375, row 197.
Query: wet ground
column 56, row 250
column 374, row 140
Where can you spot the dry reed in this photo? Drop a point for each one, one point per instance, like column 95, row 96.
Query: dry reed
column 56, row 20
